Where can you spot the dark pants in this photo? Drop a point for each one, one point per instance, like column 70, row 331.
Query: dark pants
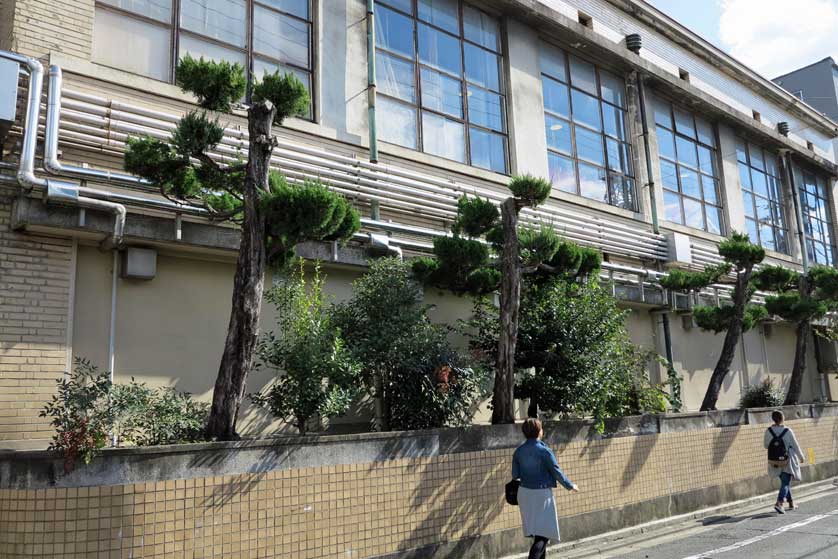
column 539, row 548
column 785, row 488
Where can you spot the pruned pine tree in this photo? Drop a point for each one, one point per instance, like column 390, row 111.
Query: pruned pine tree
column 799, row 299
column 274, row 215
column 740, row 257
column 489, row 252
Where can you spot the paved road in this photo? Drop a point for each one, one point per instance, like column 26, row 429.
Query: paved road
column 811, row 532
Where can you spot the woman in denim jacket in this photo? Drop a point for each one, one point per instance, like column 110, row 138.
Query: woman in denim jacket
column 535, row 465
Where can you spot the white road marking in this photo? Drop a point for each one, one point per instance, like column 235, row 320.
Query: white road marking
column 761, row 537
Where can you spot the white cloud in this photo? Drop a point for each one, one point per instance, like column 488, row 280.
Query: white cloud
column 777, row 36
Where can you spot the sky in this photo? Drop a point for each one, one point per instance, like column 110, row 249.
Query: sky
column 771, row 36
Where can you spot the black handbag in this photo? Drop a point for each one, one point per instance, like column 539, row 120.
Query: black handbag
column 511, row 491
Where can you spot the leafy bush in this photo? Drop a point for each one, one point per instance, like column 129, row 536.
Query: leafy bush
column 409, row 367
column 762, row 395
column 89, row 412
column 317, row 373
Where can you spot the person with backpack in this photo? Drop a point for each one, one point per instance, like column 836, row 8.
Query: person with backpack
column 535, row 465
column 784, row 458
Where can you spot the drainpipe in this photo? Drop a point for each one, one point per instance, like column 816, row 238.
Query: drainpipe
column 371, row 85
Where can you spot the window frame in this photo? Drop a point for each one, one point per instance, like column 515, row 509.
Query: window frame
column 603, row 135
column 807, row 217
column 677, row 163
column 777, row 205
column 418, row 66
column 176, row 30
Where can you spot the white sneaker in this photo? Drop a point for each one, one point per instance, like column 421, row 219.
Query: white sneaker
column 779, row 509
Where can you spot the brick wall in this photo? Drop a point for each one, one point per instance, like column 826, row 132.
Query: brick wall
column 34, row 296
column 44, row 26
column 382, row 507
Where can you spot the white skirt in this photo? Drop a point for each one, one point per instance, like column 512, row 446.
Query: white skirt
column 538, row 513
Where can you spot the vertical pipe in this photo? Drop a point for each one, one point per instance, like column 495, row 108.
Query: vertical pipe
column 71, row 306
column 371, row 85
column 112, row 330
column 798, row 211
column 650, row 181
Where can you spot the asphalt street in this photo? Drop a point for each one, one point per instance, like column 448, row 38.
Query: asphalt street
column 810, row 532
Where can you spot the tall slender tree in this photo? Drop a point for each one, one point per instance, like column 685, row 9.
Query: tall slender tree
column 799, row 299
column 489, row 252
column 734, row 318
column 273, row 214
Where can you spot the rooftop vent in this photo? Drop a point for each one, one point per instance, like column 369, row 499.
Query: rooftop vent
column 634, row 42
column 783, row 128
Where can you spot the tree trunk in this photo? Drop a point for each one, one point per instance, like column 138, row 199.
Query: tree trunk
column 503, row 403
column 248, row 285
column 734, row 332
column 804, row 330
column 381, row 404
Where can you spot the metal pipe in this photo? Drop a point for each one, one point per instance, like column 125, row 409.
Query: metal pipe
column 371, row 81
column 650, row 181
column 788, row 169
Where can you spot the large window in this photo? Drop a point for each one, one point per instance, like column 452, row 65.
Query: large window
column 441, row 91
column 148, row 36
column 759, row 176
column 689, row 168
column 816, row 219
column 585, row 118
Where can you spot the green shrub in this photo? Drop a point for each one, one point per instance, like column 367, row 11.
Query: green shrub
column 89, row 412
column 762, row 395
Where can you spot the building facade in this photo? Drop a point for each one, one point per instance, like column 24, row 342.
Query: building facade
column 95, row 264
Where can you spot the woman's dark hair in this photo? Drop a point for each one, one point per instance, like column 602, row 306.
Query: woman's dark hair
column 531, row 428
column 777, row 416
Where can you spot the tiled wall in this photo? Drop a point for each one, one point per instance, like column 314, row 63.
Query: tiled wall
column 371, row 509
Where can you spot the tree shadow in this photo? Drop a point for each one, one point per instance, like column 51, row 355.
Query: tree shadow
column 722, row 443
column 641, row 450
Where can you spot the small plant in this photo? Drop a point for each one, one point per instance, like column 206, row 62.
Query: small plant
column 89, row 413
column 762, row 395
column 317, row 374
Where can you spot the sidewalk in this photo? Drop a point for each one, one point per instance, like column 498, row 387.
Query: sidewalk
column 612, row 542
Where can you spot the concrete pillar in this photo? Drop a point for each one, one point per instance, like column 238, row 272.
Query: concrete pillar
column 527, row 138
column 655, row 171
column 795, row 248
column 341, row 99
column 635, row 131
column 731, row 193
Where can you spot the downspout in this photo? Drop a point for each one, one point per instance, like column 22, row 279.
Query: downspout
column 788, row 165
column 371, row 85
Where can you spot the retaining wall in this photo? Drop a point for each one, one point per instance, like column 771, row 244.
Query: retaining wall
column 432, row 493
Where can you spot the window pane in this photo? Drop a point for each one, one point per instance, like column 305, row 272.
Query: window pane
column 689, row 183
column 760, row 183
column 748, row 202
column 562, row 173
column 592, row 182
column 589, row 146
column 553, row 62
column 279, row 36
column 745, row 177
column 223, row 20
column 741, row 151
column 710, row 189
column 197, row 48
column 705, row 132
column 585, row 109
column 480, row 28
column 686, row 151
column 766, row 236
column 487, row 150
column 262, row 67
column 298, row 8
column 443, row 137
column 439, row 49
column 555, row 97
column 485, row 108
column 622, row 191
column 441, row 13
column 613, row 89
column 395, row 77
column 403, row 5
column 583, row 75
column 684, row 123
column 615, row 123
column 441, row 93
column 558, row 134
column 705, row 160
column 771, row 165
column 161, row 10
column 672, row 207
column 132, row 45
column 396, row 123
column 693, row 216
column 756, row 157
column 666, row 143
column 394, row 32
column 669, row 176
column 714, row 220
column 662, row 110
column 482, row 67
